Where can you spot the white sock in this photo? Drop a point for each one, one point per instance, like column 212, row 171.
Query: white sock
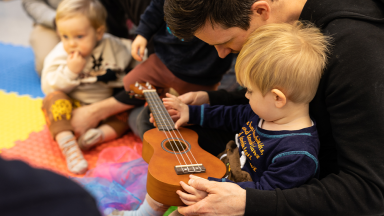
column 90, row 138
column 73, row 155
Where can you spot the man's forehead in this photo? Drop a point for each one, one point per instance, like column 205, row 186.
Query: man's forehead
column 213, row 34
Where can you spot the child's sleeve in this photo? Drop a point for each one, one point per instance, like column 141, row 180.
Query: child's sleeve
column 152, row 19
column 229, row 118
column 56, row 75
column 289, row 168
column 285, row 173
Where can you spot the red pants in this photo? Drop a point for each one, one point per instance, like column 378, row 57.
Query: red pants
column 157, row 74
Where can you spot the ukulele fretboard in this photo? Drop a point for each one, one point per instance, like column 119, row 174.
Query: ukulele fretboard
column 163, row 120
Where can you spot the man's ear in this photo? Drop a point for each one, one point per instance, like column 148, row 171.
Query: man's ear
column 279, row 98
column 100, row 32
column 261, row 9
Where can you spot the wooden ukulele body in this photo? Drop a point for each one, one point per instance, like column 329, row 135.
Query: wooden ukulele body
column 162, row 180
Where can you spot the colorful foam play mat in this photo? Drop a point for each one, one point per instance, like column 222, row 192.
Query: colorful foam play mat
column 117, row 174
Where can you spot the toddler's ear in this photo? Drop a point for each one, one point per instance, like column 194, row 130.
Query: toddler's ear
column 279, row 98
column 100, row 32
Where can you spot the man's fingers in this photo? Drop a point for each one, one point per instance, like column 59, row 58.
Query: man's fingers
column 189, row 210
column 170, row 95
column 134, row 53
column 199, row 183
column 142, row 50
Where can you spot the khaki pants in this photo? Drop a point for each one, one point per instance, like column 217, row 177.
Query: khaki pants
column 57, row 109
column 42, row 40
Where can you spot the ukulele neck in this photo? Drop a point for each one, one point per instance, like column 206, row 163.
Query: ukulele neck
column 162, row 118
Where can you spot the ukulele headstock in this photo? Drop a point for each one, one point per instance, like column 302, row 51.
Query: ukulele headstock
column 138, row 88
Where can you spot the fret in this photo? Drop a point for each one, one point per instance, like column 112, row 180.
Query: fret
column 163, row 120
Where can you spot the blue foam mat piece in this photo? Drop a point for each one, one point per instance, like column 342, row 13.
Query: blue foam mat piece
column 17, row 71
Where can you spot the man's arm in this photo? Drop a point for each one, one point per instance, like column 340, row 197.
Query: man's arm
column 348, row 110
column 151, row 20
column 349, row 113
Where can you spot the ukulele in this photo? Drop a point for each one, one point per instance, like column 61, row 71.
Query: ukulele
column 172, row 154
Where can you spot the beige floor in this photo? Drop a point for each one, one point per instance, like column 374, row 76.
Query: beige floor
column 15, row 25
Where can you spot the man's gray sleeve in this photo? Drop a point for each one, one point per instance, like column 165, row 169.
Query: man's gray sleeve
column 40, row 12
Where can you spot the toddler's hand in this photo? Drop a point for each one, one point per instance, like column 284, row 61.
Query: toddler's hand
column 193, row 196
column 138, row 45
column 172, row 102
column 173, row 113
column 76, row 62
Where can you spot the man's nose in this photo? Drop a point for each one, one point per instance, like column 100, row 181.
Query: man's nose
column 222, row 51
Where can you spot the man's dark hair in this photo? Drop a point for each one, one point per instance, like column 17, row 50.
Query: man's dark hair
column 185, row 17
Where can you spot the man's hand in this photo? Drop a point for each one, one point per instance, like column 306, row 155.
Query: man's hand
column 171, row 102
column 195, row 98
column 76, row 62
column 224, row 198
column 138, row 45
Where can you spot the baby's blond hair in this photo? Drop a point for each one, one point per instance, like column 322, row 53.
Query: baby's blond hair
column 288, row 57
column 92, row 9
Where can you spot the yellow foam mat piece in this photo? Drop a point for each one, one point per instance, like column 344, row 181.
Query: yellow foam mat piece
column 19, row 116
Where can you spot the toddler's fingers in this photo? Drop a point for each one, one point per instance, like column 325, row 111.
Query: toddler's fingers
column 188, row 188
column 179, row 123
column 187, row 197
column 76, row 54
column 187, row 202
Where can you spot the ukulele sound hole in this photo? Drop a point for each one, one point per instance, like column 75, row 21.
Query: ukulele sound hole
column 175, row 146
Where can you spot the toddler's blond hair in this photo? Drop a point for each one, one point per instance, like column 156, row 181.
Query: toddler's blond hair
column 288, row 57
column 92, row 9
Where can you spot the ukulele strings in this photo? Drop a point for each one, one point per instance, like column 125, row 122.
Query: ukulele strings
column 170, row 141
column 153, row 99
column 157, row 100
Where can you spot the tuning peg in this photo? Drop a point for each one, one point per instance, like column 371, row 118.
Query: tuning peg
column 140, row 87
column 136, row 84
column 147, row 84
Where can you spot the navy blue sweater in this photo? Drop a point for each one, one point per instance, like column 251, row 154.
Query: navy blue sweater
column 192, row 61
column 275, row 159
column 28, row 191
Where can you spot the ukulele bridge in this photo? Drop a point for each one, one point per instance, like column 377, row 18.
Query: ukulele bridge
column 189, row 169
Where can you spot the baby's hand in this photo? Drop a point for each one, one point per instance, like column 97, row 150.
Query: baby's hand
column 193, row 195
column 172, row 102
column 76, row 62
